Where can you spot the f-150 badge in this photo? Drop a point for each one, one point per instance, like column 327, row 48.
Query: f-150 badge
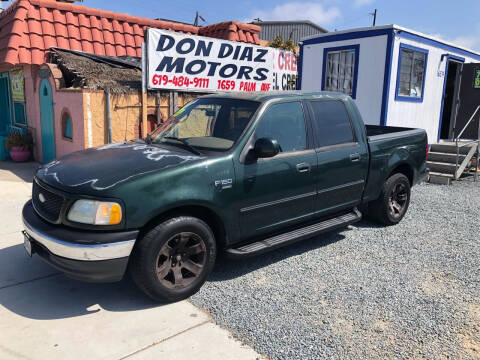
column 223, row 184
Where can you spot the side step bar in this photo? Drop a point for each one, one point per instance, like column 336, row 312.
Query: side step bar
column 290, row 237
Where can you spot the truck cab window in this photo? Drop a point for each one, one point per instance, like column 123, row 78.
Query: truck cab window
column 209, row 123
column 286, row 124
column 332, row 123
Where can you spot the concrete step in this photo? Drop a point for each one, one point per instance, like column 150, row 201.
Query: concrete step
column 441, row 167
column 449, row 148
column 445, row 157
column 439, row 178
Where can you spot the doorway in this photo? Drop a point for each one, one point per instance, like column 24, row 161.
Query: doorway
column 5, row 104
column 469, row 100
column 46, row 117
column 450, row 96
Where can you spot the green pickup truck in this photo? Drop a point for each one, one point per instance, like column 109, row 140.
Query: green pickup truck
column 238, row 173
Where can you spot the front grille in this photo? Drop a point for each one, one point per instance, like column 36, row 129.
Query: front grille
column 46, row 203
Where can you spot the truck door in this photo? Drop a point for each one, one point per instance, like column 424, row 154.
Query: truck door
column 278, row 191
column 342, row 157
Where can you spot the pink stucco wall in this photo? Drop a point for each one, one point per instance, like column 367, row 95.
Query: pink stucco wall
column 71, row 100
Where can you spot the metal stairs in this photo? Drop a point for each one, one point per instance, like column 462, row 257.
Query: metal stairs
column 447, row 161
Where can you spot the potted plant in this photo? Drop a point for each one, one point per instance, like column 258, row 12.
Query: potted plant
column 20, row 146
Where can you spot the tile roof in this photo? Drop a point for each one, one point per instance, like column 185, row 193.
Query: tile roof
column 232, row 30
column 28, row 28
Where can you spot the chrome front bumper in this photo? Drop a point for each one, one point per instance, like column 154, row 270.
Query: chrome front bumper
column 74, row 244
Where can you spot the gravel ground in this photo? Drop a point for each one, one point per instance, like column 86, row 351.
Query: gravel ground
column 410, row 291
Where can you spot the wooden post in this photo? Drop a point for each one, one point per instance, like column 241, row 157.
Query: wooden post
column 144, row 114
column 144, row 92
column 175, row 101
column 158, row 110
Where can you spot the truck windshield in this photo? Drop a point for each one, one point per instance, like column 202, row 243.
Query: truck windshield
column 207, row 123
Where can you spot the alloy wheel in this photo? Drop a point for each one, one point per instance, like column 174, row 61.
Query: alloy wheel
column 397, row 200
column 181, row 260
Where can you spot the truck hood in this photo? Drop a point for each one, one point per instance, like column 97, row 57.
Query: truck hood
column 103, row 168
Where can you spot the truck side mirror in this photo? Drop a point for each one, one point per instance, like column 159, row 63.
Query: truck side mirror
column 266, row 148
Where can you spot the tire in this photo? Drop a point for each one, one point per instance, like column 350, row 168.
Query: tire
column 392, row 204
column 173, row 260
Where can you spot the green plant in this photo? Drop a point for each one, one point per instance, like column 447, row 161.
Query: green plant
column 15, row 139
column 279, row 43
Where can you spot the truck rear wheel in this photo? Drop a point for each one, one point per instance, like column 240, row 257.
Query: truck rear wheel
column 392, row 204
column 173, row 260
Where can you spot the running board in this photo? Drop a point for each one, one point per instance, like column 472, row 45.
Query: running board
column 293, row 236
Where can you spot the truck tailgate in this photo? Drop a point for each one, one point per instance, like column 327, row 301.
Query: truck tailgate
column 391, row 147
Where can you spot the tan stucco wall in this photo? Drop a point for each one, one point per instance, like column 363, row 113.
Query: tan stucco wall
column 126, row 114
column 124, row 119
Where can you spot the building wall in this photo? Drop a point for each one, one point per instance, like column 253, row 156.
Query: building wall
column 269, row 32
column 126, row 114
column 67, row 99
column 71, row 101
column 32, row 105
column 425, row 114
column 370, row 83
column 371, row 68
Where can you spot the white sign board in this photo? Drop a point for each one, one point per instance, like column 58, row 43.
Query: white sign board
column 183, row 62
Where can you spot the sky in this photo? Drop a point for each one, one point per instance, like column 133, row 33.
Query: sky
column 455, row 21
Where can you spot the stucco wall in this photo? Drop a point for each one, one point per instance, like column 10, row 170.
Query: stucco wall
column 87, row 109
column 70, row 100
column 126, row 114
column 32, row 105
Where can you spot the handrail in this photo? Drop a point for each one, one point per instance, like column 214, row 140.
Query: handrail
column 468, row 122
column 477, row 141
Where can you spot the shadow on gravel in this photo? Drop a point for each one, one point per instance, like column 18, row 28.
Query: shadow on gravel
column 227, row 269
column 367, row 224
column 55, row 296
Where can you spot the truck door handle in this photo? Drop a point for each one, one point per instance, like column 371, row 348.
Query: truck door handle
column 354, row 157
column 303, row 167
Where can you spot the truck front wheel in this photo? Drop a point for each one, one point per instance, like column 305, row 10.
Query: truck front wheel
column 173, row 260
column 392, row 204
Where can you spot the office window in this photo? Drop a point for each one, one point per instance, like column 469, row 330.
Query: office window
column 411, row 73
column 341, row 65
column 332, row 123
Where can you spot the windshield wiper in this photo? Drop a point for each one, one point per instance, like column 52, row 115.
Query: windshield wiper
column 184, row 142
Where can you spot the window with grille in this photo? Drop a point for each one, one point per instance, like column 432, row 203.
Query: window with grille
column 411, row 73
column 341, row 65
column 19, row 115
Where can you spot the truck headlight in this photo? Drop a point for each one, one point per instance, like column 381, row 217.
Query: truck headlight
column 95, row 212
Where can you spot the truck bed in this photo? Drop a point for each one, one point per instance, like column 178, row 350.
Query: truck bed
column 389, row 145
column 376, row 132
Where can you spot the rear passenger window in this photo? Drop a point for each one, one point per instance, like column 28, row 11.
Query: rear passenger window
column 286, row 124
column 333, row 125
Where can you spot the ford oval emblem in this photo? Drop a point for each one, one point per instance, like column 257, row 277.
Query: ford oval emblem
column 41, row 197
